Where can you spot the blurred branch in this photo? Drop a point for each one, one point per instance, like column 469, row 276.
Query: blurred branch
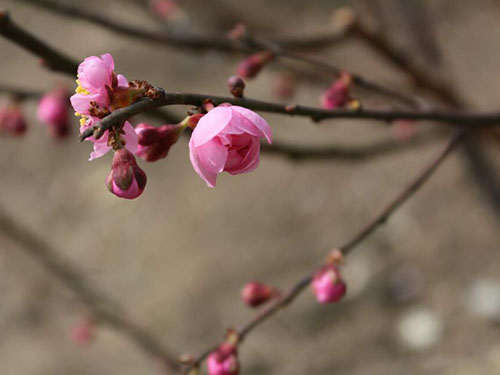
column 289, row 296
column 101, row 307
column 214, row 41
column 117, row 117
column 21, row 94
column 51, row 58
column 346, row 153
column 279, row 45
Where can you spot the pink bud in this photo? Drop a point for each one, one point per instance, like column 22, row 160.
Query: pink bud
column 12, row 120
column 194, row 119
column 224, row 361
column 155, row 142
column 83, row 332
column 284, row 86
column 53, row 110
column 236, row 86
column 255, row 294
column 337, row 95
column 163, row 9
column 251, row 66
column 403, row 130
column 328, row 285
column 126, row 179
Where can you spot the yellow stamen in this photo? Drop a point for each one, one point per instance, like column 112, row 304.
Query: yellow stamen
column 80, row 90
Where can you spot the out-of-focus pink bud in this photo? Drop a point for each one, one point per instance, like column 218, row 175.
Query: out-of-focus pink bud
column 403, row 130
column 53, row 111
column 338, row 94
column 251, row 66
column 12, row 120
column 126, row 179
column 224, row 361
column 164, row 9
column 255, row 294
column 83, row 332
column 328, row 285
column 155, row 142
column 236, row 86
column 284, row 86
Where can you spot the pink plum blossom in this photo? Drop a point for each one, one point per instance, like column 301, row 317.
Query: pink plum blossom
column 53, row 111
column 96, row 82
column 328, row 285
column 126, row 179
column 223, row 361
column 227, row 139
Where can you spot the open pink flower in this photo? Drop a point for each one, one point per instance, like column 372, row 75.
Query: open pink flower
column 96, row 81
column 227, row 139
column 101, row 145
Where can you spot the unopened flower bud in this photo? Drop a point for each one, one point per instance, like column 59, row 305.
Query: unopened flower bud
column 83, row 332
column 236, row 86
column 338, row 94
column 328, row 285
column 403, row 130
column 192, row 121
column 53, row 111
column 155, row 142
column 251, row 66
column 12, row 120
column 223, row 361
column 255, row 294
column 126, row 179
column 284, row 86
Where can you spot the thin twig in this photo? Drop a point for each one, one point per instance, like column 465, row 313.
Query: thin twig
column 213, row 41
column 471, row 120
column 289, row 296
column 100, row 306
column 52, row 58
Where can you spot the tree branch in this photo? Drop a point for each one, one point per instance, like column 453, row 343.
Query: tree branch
column 288, row 297
column 52, row 58
column 117, row 117
column 213, row 41
column 100, row 306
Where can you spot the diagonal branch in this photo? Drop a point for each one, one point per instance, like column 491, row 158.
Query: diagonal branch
column 292, row 293
column 100, row 306
column 52, row 58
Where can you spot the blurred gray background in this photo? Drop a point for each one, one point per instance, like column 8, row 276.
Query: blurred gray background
column 177, row 257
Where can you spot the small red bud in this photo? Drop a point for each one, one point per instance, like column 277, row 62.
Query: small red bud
column 12, row 120
column 83, row 332
column 338, row 94
column 328, row 285
column 251, row 66
column 224, row 361
column 155, row 142
column 255, row 294
column 126, row 179
column 236, row 86
column 54, row 110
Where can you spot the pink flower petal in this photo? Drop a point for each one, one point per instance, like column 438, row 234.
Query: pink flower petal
column 122, row 81
column 210, row 125
column 257, row 121
column 130, row 137
column 208, row 160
